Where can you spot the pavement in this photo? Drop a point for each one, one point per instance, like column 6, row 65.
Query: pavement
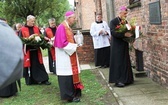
column 144, row 91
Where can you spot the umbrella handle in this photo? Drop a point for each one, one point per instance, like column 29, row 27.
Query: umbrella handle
column 29, row 71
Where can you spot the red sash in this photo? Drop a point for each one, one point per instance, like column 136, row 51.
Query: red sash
column 50, row 35
column 73, row 58
column 26, row 34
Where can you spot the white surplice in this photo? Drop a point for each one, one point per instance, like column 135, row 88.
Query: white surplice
column 63, row 67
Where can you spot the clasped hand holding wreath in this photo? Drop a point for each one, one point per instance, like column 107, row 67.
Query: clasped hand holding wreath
column 124, row 27
column 37, row 41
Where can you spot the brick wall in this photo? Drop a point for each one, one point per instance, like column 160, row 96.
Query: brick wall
column 86, row 52
column 88, row 13
column 154, row 42
column 85, row 11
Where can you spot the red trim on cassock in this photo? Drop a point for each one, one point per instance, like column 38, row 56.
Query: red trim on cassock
column 26, row 34
column 50, row 35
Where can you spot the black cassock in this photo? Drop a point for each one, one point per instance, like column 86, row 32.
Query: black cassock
column 36, row 73
column 102, row 56
column 9, row 90
column 120, row 64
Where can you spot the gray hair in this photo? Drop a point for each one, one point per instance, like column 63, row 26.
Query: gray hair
column 18, row 24
column 51, row 20
column 30, row 17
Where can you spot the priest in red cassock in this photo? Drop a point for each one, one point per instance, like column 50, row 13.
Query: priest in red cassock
column 50, row 33
column 34, row 70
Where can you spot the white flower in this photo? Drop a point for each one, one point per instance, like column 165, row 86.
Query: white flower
column 128, row 26
column 31, row 36
column 50, row 42
column 52, row 38
column 37, row 38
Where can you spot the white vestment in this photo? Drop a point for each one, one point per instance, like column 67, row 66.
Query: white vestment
column 102, row 40
column 63, row 66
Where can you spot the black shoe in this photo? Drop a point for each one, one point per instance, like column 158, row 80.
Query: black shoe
column 100, row 66
column 120, row 84
column 75, row 99
column 105, row 66
column 46, row 83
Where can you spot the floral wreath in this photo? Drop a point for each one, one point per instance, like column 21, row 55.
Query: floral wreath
column 124, row 27
column 37, row 41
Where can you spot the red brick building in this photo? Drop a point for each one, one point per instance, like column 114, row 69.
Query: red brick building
column 151, row 15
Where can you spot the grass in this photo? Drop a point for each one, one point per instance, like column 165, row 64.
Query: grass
column 92, row 94
column 44, row 52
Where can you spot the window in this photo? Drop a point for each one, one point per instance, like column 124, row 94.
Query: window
column 133, row 1
column 154, row 13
